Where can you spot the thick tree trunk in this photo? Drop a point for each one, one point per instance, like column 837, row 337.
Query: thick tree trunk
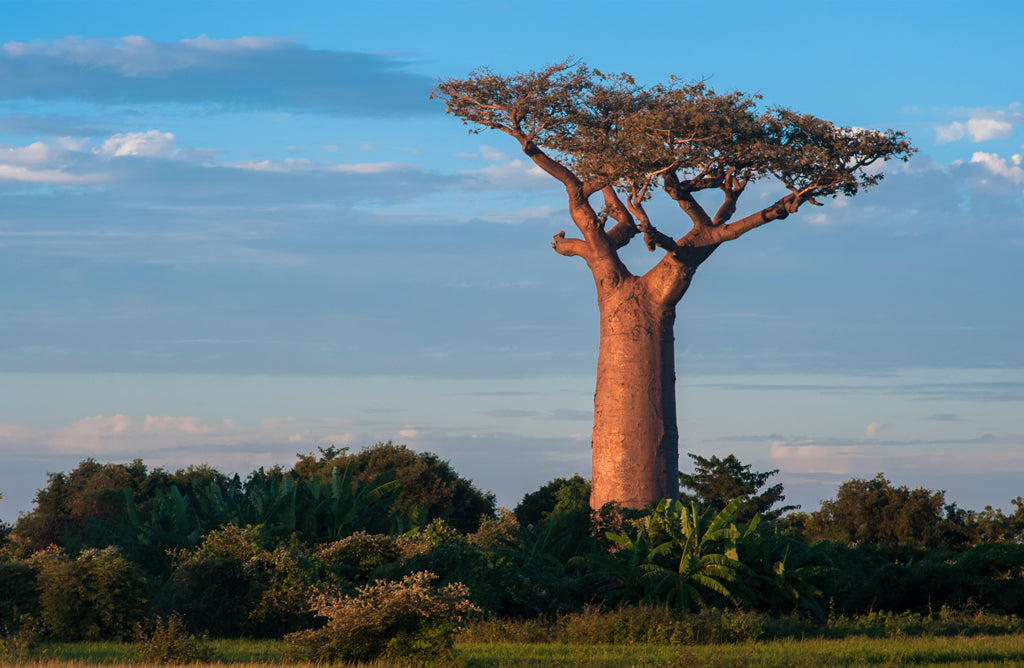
column 635, row 440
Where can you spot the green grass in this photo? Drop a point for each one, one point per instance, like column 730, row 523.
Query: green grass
column 975, row 651
column 855, row 651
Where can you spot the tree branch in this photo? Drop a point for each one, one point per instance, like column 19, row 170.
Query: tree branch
column 569, row 246
column 683, row 197
column 572, row 183
column 777, row 211
column 732, row 189
column 652, row 237
column 625, row 228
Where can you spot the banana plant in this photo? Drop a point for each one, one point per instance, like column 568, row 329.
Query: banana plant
column 681, row 555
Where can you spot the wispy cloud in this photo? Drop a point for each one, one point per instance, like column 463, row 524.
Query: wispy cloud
column 244, row 73
column 120, row 435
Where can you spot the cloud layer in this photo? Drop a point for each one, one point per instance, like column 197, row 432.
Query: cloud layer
column 230, row 74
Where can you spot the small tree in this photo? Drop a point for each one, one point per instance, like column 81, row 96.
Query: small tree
column 600, row 133
column 716, row 482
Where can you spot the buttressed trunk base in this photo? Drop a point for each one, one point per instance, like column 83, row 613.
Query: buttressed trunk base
column 635, row 439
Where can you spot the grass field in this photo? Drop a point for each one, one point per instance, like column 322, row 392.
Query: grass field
column 953, row 651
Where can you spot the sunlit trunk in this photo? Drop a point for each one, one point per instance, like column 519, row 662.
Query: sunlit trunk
column 635, row 439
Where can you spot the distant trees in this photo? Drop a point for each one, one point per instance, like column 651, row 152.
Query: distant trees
column 879, row 513
column 264, row 556
column 321, row 498
column 426, row 481
column 716, row 482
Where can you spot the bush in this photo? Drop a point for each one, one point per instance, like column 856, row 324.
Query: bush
column 18, row 582
column 231, row 586
column 20, row 640
column 409, row 620
column 97, row 596
column 169, row 642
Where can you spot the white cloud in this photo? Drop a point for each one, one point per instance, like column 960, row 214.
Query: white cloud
column 1008, row 169
column 951, row 132
column 486, row 152
column 189, row 425
column 871, row 431
column 806, row 456
column 982, row 129
column 149, row 144
column 373, row 167
column 125, row 435
column 205, row 43
column 277, row 166
column 290, row 165
column 519, row 215
column 34, row 154
column 514, row 174
column 46, row 176
column 981, row 125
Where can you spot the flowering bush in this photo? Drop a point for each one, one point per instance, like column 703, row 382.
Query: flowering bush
column 411, row 619
column 169, row 642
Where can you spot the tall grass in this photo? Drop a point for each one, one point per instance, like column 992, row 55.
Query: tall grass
column 821, row 652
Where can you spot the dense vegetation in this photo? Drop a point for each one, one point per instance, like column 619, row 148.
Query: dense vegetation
column 388, row 552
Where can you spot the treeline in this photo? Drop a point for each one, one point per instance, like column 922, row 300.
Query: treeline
column 110, row 548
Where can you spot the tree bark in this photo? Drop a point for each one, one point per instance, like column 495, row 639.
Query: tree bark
column 635, row 440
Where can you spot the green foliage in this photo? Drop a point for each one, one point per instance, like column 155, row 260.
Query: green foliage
column 98, row 595
column 170, row 642
column 692, row 560
column 20, row 640
column 426, row 481
column 785, row 573
column 715, row 482
column 411, row 619
column 875, row 512
column 72, row 510
column 679, row 556
column 232, row 585
column 357, row 557
column 557, row 496
column 20, row 597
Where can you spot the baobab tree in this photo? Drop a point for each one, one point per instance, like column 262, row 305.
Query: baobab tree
column 612, row 143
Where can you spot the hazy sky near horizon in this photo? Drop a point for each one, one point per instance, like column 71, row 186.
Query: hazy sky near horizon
column 235, row 231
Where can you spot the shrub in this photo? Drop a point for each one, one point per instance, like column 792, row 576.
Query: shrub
column 232, row 586
column 19, row 640
column 18, row 582
column 169, row 642
column 97, row 596
column 411, row 619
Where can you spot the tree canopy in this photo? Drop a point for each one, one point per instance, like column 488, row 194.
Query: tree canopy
column 717, row 482
column 606, row 132
column 426, row 480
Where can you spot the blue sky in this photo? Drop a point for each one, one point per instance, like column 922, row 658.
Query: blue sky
column 235, row 231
